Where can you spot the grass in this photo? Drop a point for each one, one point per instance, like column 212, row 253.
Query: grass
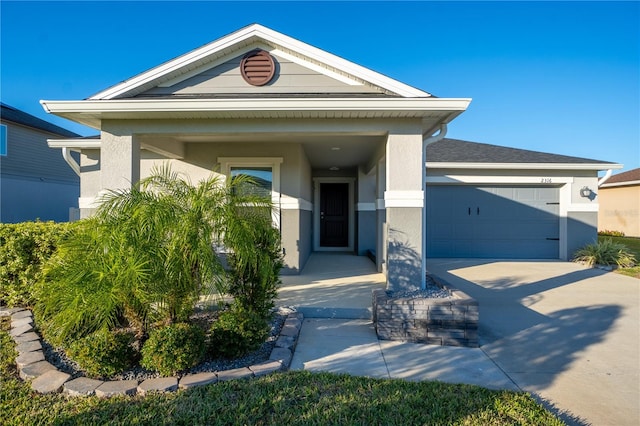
column 292, row 398
column 633, row 244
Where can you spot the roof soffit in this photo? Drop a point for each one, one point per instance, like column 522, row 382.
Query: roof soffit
column 245, row 40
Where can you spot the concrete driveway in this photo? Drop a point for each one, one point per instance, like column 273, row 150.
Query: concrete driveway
column 569, row 334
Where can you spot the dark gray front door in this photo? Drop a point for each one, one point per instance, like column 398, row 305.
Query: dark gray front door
column 508, row 222
column 334, row 214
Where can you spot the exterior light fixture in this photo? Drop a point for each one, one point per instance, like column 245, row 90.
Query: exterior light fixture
column 335, row 148
column 334, row 168
column 585, row 192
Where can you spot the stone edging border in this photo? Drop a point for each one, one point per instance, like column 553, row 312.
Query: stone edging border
column 45, row 378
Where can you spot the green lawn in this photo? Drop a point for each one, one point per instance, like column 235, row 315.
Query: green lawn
column 293, row 398
column 633, row 244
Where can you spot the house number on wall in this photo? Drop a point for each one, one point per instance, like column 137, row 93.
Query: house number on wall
column 545, row 180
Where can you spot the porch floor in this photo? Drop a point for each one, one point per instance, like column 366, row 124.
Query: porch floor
column 332, row 285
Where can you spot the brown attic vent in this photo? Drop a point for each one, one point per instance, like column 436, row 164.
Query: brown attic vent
column 257, row 67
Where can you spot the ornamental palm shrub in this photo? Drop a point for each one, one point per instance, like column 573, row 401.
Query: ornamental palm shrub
column 147, row 255
column 94, row 280
column 605, row 252
column 255, row 261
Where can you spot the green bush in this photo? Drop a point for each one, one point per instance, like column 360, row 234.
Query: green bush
column 173, row 348
column 237, row 332
column 104, row 353
column 605, row 252
column 24, row 248
column 607, row 233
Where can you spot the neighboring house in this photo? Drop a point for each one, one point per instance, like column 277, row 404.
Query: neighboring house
column 619, row 199
column 343, row 151
column 35, row 181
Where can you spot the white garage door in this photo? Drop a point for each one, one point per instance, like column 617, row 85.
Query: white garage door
column 507, row 222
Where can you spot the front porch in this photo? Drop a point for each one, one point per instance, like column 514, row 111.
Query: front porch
column 332, row 285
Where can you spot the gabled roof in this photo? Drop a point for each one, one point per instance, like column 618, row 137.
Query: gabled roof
column 631, row 177
column 245, row 39
column 455, row 153
column 9, row 113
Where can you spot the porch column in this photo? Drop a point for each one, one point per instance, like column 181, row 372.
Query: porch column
column 119, row 160
column 404, row 204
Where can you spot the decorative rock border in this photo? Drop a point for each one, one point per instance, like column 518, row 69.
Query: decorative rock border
column 446, row 322
column 45, row 378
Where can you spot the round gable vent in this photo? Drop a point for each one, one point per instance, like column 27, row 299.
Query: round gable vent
column 257, row 67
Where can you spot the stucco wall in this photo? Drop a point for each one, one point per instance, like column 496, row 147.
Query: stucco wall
column 620, row 209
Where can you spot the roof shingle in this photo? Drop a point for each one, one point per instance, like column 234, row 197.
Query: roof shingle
column 459, row 151
column 14, row 115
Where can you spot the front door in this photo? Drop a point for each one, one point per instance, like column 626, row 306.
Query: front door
column 334, row 214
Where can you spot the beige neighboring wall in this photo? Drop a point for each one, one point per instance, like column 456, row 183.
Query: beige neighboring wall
column 620, row 209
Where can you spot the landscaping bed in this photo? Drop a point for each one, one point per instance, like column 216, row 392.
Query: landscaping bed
column 204, row 319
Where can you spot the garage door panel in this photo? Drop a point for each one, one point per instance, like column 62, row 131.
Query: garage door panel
column 486, row 222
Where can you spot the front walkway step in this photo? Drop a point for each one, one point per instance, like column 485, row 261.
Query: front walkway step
column 82, row 386
column 198, row 379
column 50, row 382
column 34, row 370
column 162, row 384
column 117, row 387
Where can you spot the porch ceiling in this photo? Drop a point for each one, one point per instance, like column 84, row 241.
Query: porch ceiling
column 323, row 151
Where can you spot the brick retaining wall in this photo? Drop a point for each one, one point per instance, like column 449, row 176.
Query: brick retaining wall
column 449, row 322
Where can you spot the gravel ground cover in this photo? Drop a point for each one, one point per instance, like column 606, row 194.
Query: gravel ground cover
column 205, row 319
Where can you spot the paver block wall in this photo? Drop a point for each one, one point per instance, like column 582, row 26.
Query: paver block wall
column 450, row 322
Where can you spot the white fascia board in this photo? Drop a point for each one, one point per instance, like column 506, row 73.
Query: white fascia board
column 259, row 32
column 74, row 144
column 258, row 104
column 523, row 166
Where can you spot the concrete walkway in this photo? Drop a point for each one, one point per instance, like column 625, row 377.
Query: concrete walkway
column 352, row 347
column 566, row 333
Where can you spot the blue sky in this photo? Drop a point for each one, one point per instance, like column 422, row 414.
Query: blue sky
column 560, row 77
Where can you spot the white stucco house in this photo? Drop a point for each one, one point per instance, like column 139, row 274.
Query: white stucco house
column 344, row 150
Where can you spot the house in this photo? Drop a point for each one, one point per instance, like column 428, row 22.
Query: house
column 343, row 150
column 35, row 181
column 619, row 199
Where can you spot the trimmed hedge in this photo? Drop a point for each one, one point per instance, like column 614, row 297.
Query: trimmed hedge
column 104, row 353
column 237, row 332
column 173, row 348
column 24, row 248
